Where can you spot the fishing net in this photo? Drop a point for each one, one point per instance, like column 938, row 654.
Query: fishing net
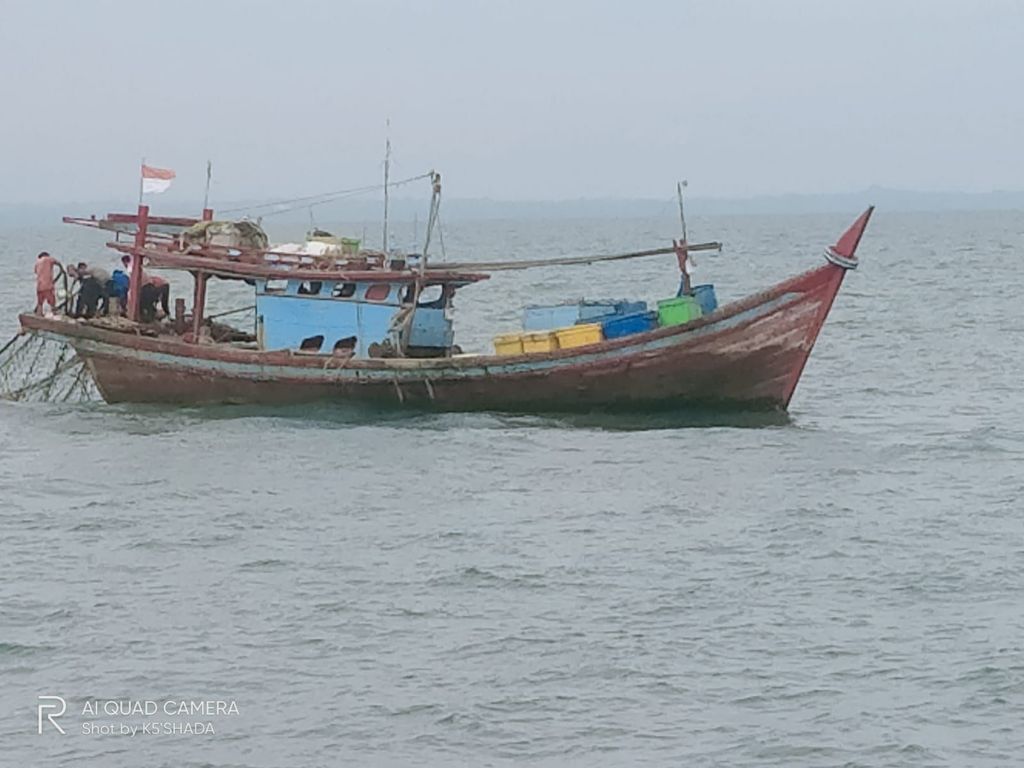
column 230, row 234
column 37, row 369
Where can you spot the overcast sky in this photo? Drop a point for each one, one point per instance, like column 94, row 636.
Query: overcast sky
column 511, row 99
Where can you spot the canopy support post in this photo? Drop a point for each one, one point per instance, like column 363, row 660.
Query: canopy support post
column 135, row 279
column 198, row 304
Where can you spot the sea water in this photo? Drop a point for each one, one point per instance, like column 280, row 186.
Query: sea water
column 843, row 587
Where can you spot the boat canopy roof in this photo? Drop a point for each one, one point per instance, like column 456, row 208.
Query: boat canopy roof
column 271, row 265
column 198, row 245
column 165, row 244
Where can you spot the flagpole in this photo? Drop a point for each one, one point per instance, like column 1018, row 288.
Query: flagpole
column 141, row 166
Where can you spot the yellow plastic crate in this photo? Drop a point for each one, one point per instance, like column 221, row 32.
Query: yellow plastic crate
column 508, row 344
column 579, row 335
column 542, row 341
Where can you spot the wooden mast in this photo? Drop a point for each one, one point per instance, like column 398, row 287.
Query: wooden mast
column 682, row 214
column 682, row 247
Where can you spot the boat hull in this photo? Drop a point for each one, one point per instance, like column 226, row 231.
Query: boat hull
column 749, row 354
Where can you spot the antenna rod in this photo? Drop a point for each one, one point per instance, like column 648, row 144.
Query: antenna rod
column 435, row 204
column 209, row 173
column 387, row 172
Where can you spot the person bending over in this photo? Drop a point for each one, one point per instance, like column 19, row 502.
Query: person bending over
column 92, row 289
column 154, row 290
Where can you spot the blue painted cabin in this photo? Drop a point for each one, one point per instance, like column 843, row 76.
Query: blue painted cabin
column 324, row 316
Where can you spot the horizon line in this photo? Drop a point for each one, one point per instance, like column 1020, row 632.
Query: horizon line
column 722, row 198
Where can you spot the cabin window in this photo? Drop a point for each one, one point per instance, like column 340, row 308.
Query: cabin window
column 347, row 344
column 312, row 344
column 344, row 290
column 276, row 286
column 378, row 292
column 310, row 288
column 432, row 296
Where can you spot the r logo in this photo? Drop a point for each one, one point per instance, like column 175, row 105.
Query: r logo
column 52, row 703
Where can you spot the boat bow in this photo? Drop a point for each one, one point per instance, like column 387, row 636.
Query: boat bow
column 841, row 257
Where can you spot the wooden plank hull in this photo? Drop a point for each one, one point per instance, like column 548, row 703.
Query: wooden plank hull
column 749, row 354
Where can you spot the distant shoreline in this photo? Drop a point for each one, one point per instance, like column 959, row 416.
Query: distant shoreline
column 30, row 214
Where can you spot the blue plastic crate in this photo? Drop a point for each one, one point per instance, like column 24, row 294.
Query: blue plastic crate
column 538, row 318
column 547, row 317
column 630, row 307
column 705, row 296
column 626, row 325
column 592, row 311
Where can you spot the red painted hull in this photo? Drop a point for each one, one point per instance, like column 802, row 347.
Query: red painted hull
column 749, row 354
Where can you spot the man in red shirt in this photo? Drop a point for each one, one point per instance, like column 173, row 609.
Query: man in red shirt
column 44, row 282
column 154, row 289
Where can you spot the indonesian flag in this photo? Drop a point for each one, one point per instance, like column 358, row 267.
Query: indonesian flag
column 156, row 180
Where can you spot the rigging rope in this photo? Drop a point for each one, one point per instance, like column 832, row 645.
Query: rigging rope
column 237, row 311
column 440, row 236
column 324, row 197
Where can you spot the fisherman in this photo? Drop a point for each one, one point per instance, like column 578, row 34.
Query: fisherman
column 154, row 290
column 117, row 290
column 44, row 282
column 93, row 283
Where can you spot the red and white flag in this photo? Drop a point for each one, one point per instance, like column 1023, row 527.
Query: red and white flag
column 156, row 180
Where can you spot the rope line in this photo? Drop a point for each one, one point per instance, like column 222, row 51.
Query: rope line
column 323, row 197
column 237, row 311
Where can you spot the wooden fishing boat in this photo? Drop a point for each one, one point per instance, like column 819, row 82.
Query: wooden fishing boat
column 357, row 328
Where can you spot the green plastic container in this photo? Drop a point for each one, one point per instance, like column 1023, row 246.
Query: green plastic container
column 678, row 311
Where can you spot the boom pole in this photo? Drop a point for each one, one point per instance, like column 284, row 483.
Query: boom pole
column 567, row 261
